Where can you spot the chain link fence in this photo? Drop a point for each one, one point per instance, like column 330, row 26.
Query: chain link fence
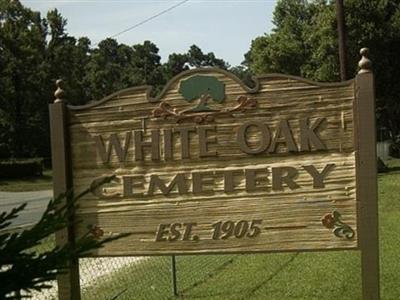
column 224, row 276
column 150, row 277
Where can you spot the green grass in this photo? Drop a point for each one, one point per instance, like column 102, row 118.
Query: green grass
column 28, row 184
column 318, row 275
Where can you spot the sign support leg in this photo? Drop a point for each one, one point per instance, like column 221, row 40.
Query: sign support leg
column 367, row 182
column 68, row 283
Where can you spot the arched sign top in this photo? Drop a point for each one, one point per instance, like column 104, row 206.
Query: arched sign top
column 259, row 81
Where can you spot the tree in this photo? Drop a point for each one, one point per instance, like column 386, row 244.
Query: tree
column 197, row 59
column 176, row 64
column 36, row 51
column 104, row 70
column 114, row 66
column 304, row 43
column 194, row 58
column 202, row 88
column 146, row 63
column 82, row 54
column 22, row 75
column 66, row 58
column 244, row 74
column 22, row 267
column 284, row 50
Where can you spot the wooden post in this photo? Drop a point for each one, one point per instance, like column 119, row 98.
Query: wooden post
column 68, row 283
column 367, row 178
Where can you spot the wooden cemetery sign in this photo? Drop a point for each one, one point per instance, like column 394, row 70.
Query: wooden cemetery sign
column 212, row 166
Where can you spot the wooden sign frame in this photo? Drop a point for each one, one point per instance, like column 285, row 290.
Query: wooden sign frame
column 366, row 180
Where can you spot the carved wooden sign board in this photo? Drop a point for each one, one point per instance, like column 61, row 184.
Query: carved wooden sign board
column 213, row 166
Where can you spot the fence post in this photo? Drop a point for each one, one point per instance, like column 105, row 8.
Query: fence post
column 173, row 273
column 68, row 283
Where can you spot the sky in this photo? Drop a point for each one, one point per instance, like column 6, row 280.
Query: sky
column 225, row 27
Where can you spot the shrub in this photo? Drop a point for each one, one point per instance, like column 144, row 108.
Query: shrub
column 21, row 168
column 395, row 148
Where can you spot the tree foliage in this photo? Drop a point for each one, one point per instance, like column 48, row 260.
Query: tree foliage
column 194, row 58
column 36, row 51
column 22, row 73
column 304, row 43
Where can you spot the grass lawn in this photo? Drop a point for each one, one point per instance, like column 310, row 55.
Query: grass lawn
column 319, row 275
column 28, row 184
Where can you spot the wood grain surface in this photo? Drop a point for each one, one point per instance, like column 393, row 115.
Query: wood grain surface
column 290, row 218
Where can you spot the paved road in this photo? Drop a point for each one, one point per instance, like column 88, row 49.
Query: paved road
column 37, row 202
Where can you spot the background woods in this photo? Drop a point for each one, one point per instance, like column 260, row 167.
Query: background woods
column 36, row 50
column 304, row 43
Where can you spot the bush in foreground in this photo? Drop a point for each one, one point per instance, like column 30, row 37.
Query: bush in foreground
column 24, row 269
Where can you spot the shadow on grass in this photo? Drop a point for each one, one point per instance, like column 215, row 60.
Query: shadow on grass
column 45, row 176
column 30, row 180
column 27, row 183
column 390, row 171
column 395, row 169
column 273, row 275
column 181, row 294
column 233, row 294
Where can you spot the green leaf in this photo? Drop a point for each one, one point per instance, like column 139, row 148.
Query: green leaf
column 338, row 232
column 336, row 215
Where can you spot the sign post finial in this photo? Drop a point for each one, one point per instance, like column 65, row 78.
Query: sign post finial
column 59, row 93
column 365, row 63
